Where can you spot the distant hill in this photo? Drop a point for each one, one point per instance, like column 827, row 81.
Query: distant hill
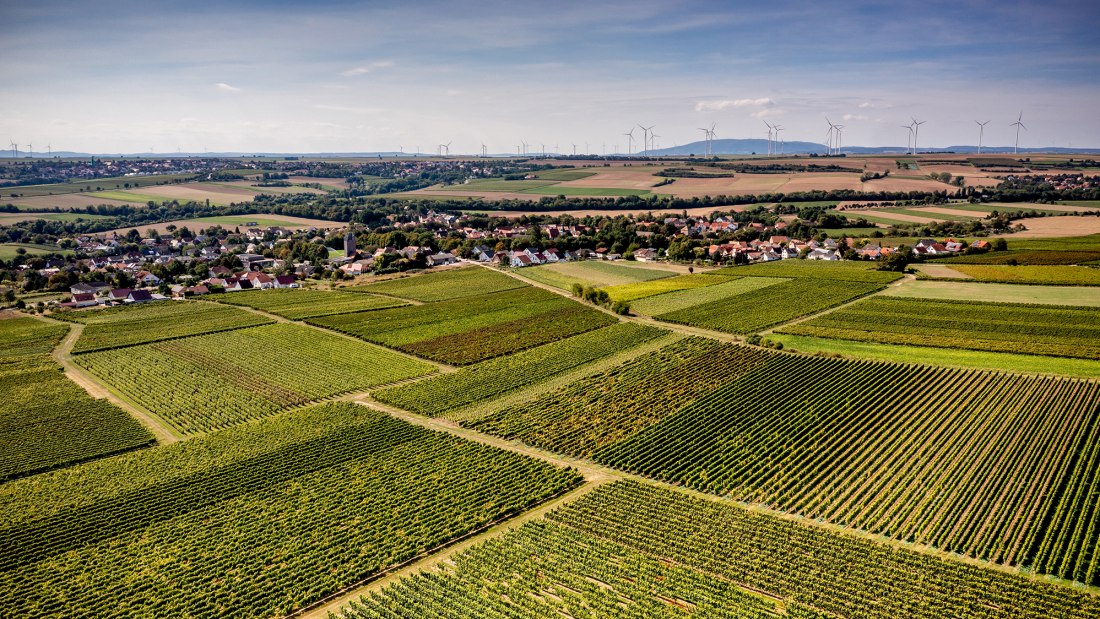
column 760, row 147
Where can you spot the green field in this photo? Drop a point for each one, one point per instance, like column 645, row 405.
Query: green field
column 296, row 304
column 129, row 196
column 497, row 185
column 95, row 185
column 557, row 190
column 564, row 174
column 918, row 212
column 724, row 287
column 947, row 357
column 594, row 273
column 471, row 329
column 496, row 377
column 9, row 251
column 1032, row 257
column 634, row 551
column 46, row 420
column 444, row 285
column 127, row 325
column 210, row 382
column 1058, row 331
column 838, row 233
column 1088, row 242
column 965, row 290
column 67, row 217
column 254, row 521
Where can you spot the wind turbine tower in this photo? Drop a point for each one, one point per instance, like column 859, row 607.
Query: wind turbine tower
column 1019, row 123
column 770, row 147
column 981, row 134
column 778, row 142
column 630, row 142
column 916, row 132
column 574, row 150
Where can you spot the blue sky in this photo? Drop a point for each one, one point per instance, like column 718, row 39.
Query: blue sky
column 364, row 76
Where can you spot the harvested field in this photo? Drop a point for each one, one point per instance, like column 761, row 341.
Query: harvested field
column 941, row 271
column 230, row 221
column 894, row 183
column 63, row 201
column 1042, row 227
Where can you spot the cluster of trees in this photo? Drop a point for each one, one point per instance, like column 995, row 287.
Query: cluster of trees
column 599, row 296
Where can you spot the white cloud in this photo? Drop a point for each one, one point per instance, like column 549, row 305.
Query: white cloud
column 717, row 106
column 367, row 68
column 222, row 86
column 867, row 105
column 854, row 116
column 769, row 112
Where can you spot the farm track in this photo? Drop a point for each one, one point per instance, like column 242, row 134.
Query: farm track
column 63, row 355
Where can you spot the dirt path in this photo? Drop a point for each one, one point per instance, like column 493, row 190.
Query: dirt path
column 63, row 355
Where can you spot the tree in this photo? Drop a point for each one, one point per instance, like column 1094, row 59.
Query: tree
column 897, row 261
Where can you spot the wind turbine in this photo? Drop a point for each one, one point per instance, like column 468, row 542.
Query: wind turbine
column 706, row 141
column 839, row 137
column 908, row 138
column 586, row 151
column 30, row 145
column 400, row 150
column 1019, row 123
column 779, row 143
column 14, row 148
column 916, row 132
column 829, row 139
column 49, row 151
column 646, row 138
column 630, row 142
column 712, row 135
column 574, row 150
column 981, row 133
column 484, row 150
column 769, row 136
column 653, row 140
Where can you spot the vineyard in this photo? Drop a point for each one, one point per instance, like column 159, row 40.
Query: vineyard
column 1046, row 275
column 765, row 307
column 846, row 270
column 611, row 406
column 127, row 325
column 995, row 466
column 209, row 382
column 641, row 290
column 468, row 330
column 596, row 274
column 254, row 521
column 998, row 327
column 444, row 285
column 496, row 377
column 632, row 550
column 725, row 288
column 297, row 304
column 46, row 420
column 1028, row 257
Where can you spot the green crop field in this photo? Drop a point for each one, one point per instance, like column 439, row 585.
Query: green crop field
column 631, row 550
column 208, row 382
column 496, row 377
column 444, row 285
column 127, row 325
column 918, row 212
column 998, row 327
column 558, row 190
column 1088, row 242
column 498, row 185
column 723, row 287
column 296, row 304
column 128, row 196
column 10, row 251
column 595, row 273
column 46, row 420
column 641, row 290
column 471, row 329
column 254, row 521
column 990, row 465
column 1048, row 275
column 96, row 184
column 564, row 174
column 765, row 307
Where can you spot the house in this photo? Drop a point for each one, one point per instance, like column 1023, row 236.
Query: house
column 259, row 280
column 237, row 285
column 76, row 289
column 520, row 259
column 981, row 245
column 441, row 258
column 146, row 278
column 139, row 296
column 286, row 281
column 83, row 299
column 118, row 294
column 220, row 271
column 482, row 253
column 823, row 254
column 645, row 255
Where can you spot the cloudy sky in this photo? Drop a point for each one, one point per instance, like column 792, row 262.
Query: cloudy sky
column 338, row 76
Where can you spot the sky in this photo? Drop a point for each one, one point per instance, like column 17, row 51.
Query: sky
column 335, row 76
